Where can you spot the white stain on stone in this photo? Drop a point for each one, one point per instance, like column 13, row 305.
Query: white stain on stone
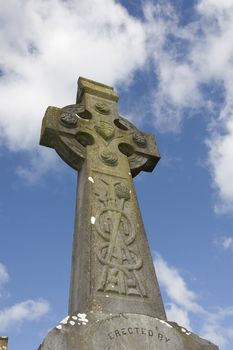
column 65, row 321
column 93, row 220
column 185, row 331
column 72, row 323
column 59, row 326
column 167, row 324
column 82, row 318
column 164, row 322
column 107, row 296
column 91, row 179
column 74, row 317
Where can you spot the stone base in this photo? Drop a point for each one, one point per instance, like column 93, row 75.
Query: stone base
column 3, row 343
column 98, row 331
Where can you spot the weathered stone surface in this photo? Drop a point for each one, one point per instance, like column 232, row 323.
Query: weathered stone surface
column 122, row 331
column 115, row 300
column 3, row 343
column 111, row 256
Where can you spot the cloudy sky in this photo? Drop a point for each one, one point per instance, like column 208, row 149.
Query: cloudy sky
column 171, row 62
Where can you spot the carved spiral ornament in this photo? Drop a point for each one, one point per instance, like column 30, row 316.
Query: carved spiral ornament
column 109, row 158
column 139, row 139
column 68, row 120
column 105, row 129
column 122, row 192
column 102, row 108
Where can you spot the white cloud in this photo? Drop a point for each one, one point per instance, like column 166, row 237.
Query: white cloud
column 182, row 305
column 225, row 242
column 48, row 46
column 4, row 277
column 228, row 243
column 215, row 333
column 211, row 6
column 194, row 65
column 43, row 52
column 29, row 310
column 175, row 286
column 199, row 53
column 179, row 315
column 40, row 162
column 215, row 328
column 51, row 43
column 221, row 160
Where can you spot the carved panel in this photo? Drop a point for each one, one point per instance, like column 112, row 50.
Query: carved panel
column 109, row 158
column 120, row 264
column 139, row 139
column 102, row 108
column 69, row 120
column 105, row 129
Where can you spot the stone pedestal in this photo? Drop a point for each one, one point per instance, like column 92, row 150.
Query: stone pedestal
column 123, row 331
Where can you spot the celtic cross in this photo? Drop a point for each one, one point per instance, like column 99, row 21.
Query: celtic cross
column 112, row 269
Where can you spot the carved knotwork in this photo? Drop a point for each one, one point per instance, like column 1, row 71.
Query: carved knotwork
column 105, row 129
column 109, row 158
column 118, row 254
column 102, row 108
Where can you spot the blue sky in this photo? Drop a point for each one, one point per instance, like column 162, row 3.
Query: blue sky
column 171, row 62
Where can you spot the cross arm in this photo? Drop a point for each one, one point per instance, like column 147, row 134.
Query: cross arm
column 144, row 159
column 140, row 147
column 59, row 128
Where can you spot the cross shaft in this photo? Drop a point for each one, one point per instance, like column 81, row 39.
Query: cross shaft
column 112, row 269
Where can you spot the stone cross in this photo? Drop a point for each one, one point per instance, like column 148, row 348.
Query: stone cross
column 115, row 300
column 112, row 267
